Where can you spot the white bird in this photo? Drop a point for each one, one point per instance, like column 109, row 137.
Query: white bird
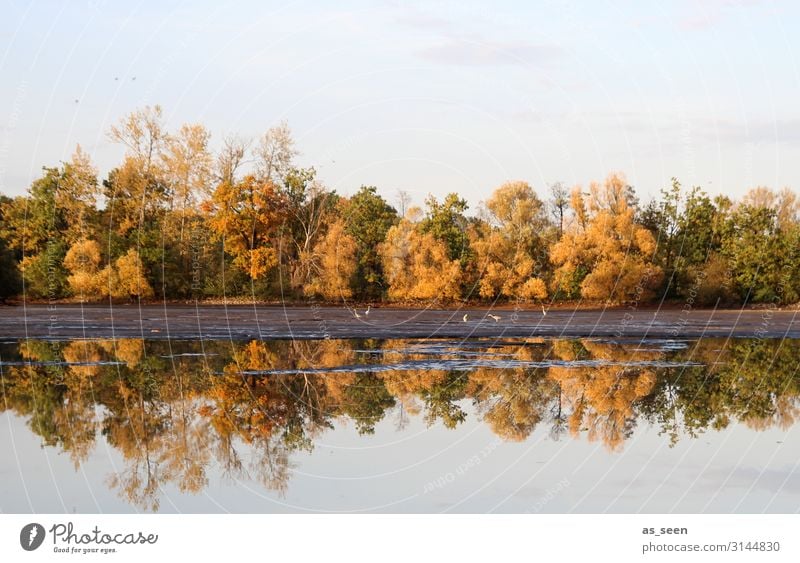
column 367, row 311
column 356, row 314
column 544, row 311
column 495, row 317
column 465, row 317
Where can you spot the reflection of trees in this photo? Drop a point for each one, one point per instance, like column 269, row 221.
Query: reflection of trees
column 602, row 397
column 247, row 407
column 271, row 414
column 136, row 423
column 57, row 398
column 756, row 382
column 513, row 401
column 438, row 391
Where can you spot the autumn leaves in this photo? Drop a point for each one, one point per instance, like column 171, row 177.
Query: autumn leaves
column 606, row 255
column 122, row 279
column 176, row 221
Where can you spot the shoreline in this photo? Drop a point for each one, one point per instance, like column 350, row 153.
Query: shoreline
column 295, row 321
column 583, row 305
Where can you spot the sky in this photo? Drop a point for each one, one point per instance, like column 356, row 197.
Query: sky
column 427, row 97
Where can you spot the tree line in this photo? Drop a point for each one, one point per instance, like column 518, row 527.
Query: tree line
column 175, row 220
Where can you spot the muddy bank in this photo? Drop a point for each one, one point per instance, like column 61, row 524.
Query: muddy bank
column 277, row 322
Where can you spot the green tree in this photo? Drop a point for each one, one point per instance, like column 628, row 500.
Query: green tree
column 446, row 222
column 687, row 228
column 764, row 255
column 10, row 279
column 368, row 217
column 34, row 227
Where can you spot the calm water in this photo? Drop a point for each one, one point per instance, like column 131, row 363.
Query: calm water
column 538, row 425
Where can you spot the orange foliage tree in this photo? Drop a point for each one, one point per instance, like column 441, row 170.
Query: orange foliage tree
column 416, row 265
column 606, row 254
column 247, row 216
column 334, row 263
column 510, row 248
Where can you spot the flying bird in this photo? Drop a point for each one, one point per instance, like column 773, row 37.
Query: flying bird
column 495, row 317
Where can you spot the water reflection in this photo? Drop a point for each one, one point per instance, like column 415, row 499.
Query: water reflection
column 173, row 409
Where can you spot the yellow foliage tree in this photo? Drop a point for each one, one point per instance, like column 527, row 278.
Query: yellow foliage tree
column 510, row 248
column 83, row 262
column 77, row 194
column 416, row 265
column 187, row 166
column 137, row 189
column 334, row 263
column 606, row 255
column 129, row 279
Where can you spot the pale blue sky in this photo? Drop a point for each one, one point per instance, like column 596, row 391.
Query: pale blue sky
column 427, row 97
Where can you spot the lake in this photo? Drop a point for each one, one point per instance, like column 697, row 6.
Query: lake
column 420, row 425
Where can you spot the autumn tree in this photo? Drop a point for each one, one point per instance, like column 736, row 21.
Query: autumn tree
column 247, row 216
column 83, row 262
column 139, row 194
column 310, row 207
column 187, row 164
column 403, row 199
column 58, row 210
column 230, row 159
column 662, row 217
column 130, row 280
column 334, row 264
column 510, row 248
column 606, row 255
column 417, row 266
column 700, row 267
column 200, row 225
column 77, row 195
column 274, row 154
column 687, row 227
column 137, row 191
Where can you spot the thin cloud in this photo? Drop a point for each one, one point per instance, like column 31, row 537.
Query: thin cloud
column 711, row 13
column 678, row 128
column 421, row 21
column 485, row 53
